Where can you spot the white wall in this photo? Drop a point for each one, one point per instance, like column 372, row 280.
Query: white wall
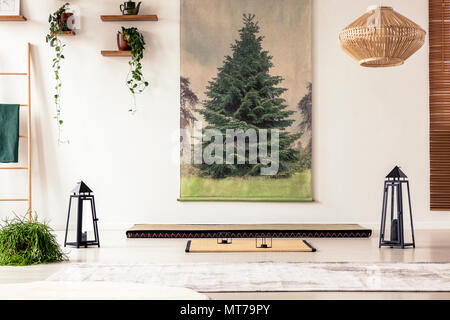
column 365, row 122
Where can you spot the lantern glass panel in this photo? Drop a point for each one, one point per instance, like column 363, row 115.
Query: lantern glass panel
column 392, row 232
column 87, row 224
column 72, row 226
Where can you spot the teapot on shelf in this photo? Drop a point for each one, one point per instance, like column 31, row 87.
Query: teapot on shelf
column 130, row 8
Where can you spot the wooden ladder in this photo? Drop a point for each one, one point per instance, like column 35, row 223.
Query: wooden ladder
column 28, row 136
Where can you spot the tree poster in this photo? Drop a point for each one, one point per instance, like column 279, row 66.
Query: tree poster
column 246, row 100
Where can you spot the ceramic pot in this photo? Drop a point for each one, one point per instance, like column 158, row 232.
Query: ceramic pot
column 63, row 20
column 121, row 43
column 130, row 8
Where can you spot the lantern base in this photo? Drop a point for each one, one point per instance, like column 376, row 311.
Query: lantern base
column 83, row 244
column 394, row 244
column 381, row 62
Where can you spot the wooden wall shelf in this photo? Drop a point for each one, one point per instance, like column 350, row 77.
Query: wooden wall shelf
column 13, row 18
column 116, row 53
column 121, row 17
column 65, row 33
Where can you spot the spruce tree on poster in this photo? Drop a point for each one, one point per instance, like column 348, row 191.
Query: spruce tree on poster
column 188, row 101
column 305, row 108
column 245, row 95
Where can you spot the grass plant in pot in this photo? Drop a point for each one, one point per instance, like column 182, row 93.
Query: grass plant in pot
column 131, row 39
column 26, row 241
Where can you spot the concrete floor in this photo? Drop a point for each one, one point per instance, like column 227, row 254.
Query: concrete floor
column 432, row 246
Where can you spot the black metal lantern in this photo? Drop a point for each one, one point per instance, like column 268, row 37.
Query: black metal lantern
column 82, row 193
column 393, row 193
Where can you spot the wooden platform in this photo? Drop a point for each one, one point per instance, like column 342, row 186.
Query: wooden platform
column 211, row 246
column 248, row 231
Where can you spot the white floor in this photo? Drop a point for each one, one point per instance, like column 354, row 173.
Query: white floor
column 432, row 246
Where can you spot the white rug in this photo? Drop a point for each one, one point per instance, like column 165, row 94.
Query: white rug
column 86, row 290
column 271, row 276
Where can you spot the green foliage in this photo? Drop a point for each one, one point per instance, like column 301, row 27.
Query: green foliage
column 188, row 101
column 135, row 79
column 26, row 243
column 57, row 27
column 245, row 95
column 297, row 187
column 306, row 155
column 305, row 107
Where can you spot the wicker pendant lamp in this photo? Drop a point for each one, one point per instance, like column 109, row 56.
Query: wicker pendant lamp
column 382, row 38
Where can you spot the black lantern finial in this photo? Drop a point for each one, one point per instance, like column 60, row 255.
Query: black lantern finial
column 396, row 173
column 83, row 193
column 81, row 188
column 393, row 191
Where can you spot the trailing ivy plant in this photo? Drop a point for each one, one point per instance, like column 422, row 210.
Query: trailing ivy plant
column 135, row 79
column 57, row 27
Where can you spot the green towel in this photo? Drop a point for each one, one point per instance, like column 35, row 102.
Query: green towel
column 9, row 133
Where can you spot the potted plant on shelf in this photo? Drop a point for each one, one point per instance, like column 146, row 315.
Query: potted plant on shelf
column 122, row 44
column 131, row 39
column 58, row 25
column 59, row 20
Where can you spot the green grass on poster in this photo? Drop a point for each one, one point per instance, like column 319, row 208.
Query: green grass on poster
column 294, row 189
